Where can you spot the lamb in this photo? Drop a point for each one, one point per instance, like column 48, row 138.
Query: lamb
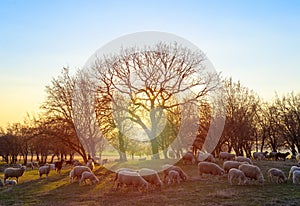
column 90, row 164
column 88, row 175
column 236, row 173
column 77, row 171
column 227, row 165
column 210, row 168
column 10, row 182
column 206, row 157
column 167, row 167
column 296, row 175
column 151, row 177
column 274, row 172
column 253, row 172
column 44, row 170
column 188, row 157
column 226, row 156
column 14, row 172
column 244, row 159
column 293, row 168
column 131, row 178
column 259, row 155
column 173, row 177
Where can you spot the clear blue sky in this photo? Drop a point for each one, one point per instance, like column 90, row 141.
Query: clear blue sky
column 256, row 42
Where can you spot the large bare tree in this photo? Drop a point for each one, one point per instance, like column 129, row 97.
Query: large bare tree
column 150, row 79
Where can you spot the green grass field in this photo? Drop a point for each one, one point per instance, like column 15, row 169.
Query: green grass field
column 208, row 190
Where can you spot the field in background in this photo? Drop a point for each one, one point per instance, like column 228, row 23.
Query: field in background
column 208, row 190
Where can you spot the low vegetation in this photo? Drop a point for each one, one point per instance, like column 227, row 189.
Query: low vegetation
column 206, row 190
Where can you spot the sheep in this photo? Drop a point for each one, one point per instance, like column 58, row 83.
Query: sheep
column 151, row 177
column 29, row 165
column 244, row 159
column 274, row 172
column 293, row 168
column 210, row 168
column 10, row 182
column 44, row 170
column 52, row 166
column 253, row 172
column 123, row 169
column 90, row 164
column 272, row 155
column 227, row 165
column 167, row 167
column 173, row 177
column 58, row 165
column 259, row 155
column 226, row 156
column 77, row 171
column 297, row 158
column 236, row 173
column 188, row 157
column 206, row 157
column 281, row 155
column 14, row 172
column 131, row 178
column 296, row 175
column 88, row 175
column 1, row 183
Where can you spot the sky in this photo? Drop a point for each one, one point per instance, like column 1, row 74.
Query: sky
column 255, row 42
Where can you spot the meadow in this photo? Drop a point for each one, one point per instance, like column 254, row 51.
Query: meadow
column 206, row 190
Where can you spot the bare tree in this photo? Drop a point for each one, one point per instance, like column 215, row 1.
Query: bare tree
column 149, row 79
column 58, row 108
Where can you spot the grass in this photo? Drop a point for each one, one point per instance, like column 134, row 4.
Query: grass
column 207, row 190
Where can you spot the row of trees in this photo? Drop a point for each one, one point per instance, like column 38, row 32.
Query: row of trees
column 150, row 101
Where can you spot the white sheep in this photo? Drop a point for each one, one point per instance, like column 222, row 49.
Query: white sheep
column 293, row 168
column 227, row 165
column 10, row 182
column 236, row 173
column 71, row 175
column 244, row 159
column 189, row 157
column 88, row 175
column 14, row 172
column 206, row 157
column 210, row 168
column 123, row 169
column 77, row 171
column 226, row 156
column 173, row 177
column 167, row 167
column 44, row 170
column 151, row 177
column 131, row 179
column 296, row 175
column 252, row 172
column 90, row 164
column 274, row 172
column 259, row 155
column 52, row 166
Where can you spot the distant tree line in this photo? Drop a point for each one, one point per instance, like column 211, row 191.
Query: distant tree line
column 251, row 124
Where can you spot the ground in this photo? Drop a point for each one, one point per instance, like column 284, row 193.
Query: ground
column 207, row 190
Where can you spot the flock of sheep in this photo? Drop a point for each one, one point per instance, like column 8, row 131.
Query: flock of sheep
column 236, row 167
